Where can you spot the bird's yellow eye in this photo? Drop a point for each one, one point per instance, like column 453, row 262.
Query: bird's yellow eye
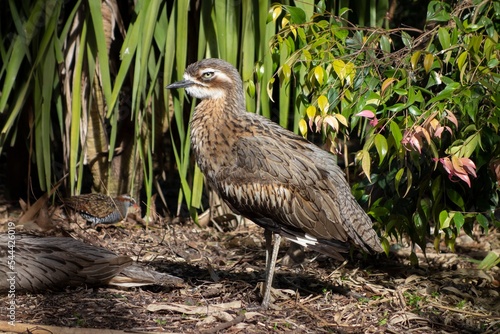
column 207, row 75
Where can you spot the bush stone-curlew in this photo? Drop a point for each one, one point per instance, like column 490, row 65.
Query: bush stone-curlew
column 281, row 181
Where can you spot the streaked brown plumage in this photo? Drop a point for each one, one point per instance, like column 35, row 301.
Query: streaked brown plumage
column 268, row 174
column 43, row 263
column 99, row 208
column 50, row 263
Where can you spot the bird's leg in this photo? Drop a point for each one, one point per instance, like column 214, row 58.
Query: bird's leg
column 271, row 256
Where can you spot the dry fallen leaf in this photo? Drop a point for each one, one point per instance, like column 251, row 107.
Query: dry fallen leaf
column 195, row 309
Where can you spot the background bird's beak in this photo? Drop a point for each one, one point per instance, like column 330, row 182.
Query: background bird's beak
column 180, row 84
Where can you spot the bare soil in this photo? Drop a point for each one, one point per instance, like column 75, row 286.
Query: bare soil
column 223, row 267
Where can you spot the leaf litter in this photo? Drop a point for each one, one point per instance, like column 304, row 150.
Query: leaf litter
column 223, row 269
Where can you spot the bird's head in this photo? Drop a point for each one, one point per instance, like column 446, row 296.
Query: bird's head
column 126, row 200
column 210, row 79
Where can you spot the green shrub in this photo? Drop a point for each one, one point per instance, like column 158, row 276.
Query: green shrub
column 424, row 109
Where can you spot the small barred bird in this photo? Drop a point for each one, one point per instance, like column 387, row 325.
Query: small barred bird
column 279, row 180
column 100, row 209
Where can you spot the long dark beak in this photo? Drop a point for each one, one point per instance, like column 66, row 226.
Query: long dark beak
column 180, row 84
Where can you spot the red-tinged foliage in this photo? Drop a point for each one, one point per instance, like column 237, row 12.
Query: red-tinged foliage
column 459, row 167
column 424, row 111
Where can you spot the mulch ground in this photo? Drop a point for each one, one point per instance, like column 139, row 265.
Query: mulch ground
column 224, row 267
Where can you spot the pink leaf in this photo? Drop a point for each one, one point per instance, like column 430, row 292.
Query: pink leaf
column 438, row 132
column 415, row 142
column 457, row 165
column 311, row 122
column 366, row 113
column 464, row 177
column 318, row 120
column 448, row 167
column 459, row 169
column 332, row 121
column 469, row 166
column 452, row 118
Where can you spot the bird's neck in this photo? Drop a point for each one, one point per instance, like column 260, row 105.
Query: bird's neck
column 214, row 129
column 211, row 109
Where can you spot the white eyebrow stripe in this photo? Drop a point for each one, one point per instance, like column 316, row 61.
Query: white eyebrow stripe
column 209, row 69
column 223, row 77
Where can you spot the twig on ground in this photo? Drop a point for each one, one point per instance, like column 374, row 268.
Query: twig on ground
column 225, row 325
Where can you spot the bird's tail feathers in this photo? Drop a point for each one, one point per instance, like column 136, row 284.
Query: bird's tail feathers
column 331, row 248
